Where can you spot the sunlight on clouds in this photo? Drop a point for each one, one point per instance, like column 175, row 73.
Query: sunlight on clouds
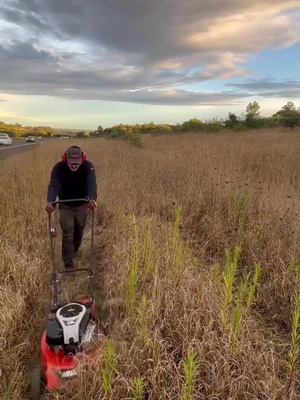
column 248, row 32
column 272, row 7
column 35, row 119
column 171, row 64
column 4, row 113
column 147, row 59
column 223, row 65
column 10, row 115
column 69, row 89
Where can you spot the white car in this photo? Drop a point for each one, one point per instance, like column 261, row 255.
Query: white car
column 30, row 139
column 5, row 140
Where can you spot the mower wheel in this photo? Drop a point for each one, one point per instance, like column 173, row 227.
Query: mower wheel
column 36, row 383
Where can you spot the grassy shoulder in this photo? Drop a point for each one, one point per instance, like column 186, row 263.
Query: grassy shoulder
column 197, row 266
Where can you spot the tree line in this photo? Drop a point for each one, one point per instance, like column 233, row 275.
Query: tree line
column 288, row 116
column 17, row 130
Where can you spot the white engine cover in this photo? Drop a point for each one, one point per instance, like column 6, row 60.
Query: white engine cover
column 70, row 317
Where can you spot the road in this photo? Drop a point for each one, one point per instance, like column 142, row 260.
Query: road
column 18, row 146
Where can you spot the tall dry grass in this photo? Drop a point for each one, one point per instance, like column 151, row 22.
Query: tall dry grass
column 198, row 266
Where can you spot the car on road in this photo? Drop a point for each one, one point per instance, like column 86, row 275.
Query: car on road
column 5, row 139
column 30, row 139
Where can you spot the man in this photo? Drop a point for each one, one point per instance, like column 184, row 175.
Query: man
column 72, row 178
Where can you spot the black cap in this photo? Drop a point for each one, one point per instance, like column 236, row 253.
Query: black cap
column 74, row 155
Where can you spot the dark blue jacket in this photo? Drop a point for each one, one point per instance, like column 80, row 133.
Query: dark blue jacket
column 67, row 184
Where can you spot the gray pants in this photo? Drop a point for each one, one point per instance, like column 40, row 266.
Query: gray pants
column 72, row 222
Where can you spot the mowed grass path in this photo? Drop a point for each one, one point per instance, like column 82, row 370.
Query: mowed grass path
column 198, row 266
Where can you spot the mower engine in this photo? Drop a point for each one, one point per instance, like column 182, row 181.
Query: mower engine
column 70, row 328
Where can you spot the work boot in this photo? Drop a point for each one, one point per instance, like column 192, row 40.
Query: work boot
column 69, row 264
column 78, row 254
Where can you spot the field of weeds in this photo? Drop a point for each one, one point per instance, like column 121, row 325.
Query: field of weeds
column 198, row 266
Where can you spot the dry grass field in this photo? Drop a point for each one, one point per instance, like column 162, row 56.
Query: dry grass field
column 198, row 266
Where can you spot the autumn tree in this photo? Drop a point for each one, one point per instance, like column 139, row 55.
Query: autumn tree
column 193, row 124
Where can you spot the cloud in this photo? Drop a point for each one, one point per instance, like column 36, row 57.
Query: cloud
column 267, row 83
column 292, row 93
column 109, row 50
column 41, row 73
column 269, row 88
column 22, row 51
column 246, row 33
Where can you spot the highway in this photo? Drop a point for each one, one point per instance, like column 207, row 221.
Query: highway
column 18, row 146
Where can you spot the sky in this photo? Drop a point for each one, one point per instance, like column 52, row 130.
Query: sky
column 80, row 64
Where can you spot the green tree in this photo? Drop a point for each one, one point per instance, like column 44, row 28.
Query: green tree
column 252, row 110
column 213, row 125
column 289, row 115
column 80, row 134
column 252, row 115
column 231, row 121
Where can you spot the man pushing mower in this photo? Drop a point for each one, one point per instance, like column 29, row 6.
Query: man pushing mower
column 72, row 178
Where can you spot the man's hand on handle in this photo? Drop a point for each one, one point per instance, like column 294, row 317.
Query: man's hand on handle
column 50, row 208
column 92, row 205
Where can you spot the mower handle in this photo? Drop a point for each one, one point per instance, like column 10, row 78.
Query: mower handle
column 61, row 202
column 72, row 271
column 69, row 201
column 64, row 201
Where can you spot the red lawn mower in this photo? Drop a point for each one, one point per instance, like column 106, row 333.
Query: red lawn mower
column 72, row 329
